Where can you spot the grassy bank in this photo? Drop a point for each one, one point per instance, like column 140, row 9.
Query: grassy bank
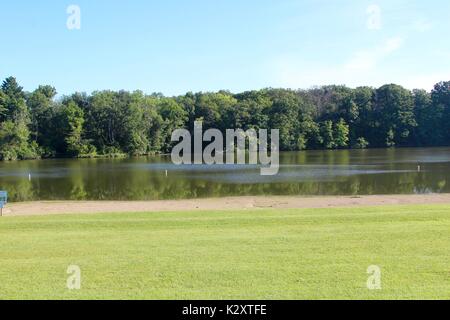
column 261, row 254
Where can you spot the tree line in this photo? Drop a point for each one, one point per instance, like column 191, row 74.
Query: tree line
column 117, row 123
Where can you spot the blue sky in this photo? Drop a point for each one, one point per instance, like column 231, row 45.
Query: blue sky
column 175, row 46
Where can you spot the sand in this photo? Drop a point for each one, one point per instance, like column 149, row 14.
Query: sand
column 230, row 203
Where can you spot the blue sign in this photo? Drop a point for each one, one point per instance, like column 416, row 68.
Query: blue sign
column 3, row 198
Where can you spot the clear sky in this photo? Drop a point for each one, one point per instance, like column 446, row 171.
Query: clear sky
column 175, row 46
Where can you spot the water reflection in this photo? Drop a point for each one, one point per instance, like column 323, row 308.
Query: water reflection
column 346, row 172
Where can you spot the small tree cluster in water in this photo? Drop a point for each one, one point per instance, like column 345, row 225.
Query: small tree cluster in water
column 108, row 123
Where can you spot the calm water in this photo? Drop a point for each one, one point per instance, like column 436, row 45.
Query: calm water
column 346, row 172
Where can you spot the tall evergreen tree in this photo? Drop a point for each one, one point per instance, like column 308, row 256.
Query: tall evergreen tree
column 14, row 131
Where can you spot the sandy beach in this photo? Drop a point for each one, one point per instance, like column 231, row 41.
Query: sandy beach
column 230, row 203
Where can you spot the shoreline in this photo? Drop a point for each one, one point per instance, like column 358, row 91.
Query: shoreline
column 219, row 204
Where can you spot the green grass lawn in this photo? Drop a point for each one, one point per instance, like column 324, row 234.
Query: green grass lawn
column 260, row 254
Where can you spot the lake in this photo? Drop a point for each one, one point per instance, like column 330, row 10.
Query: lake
column 342, row 172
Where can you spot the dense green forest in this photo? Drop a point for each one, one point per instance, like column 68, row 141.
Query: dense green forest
column 108, row 123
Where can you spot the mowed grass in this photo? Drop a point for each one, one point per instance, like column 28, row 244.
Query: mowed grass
column 259, row 254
